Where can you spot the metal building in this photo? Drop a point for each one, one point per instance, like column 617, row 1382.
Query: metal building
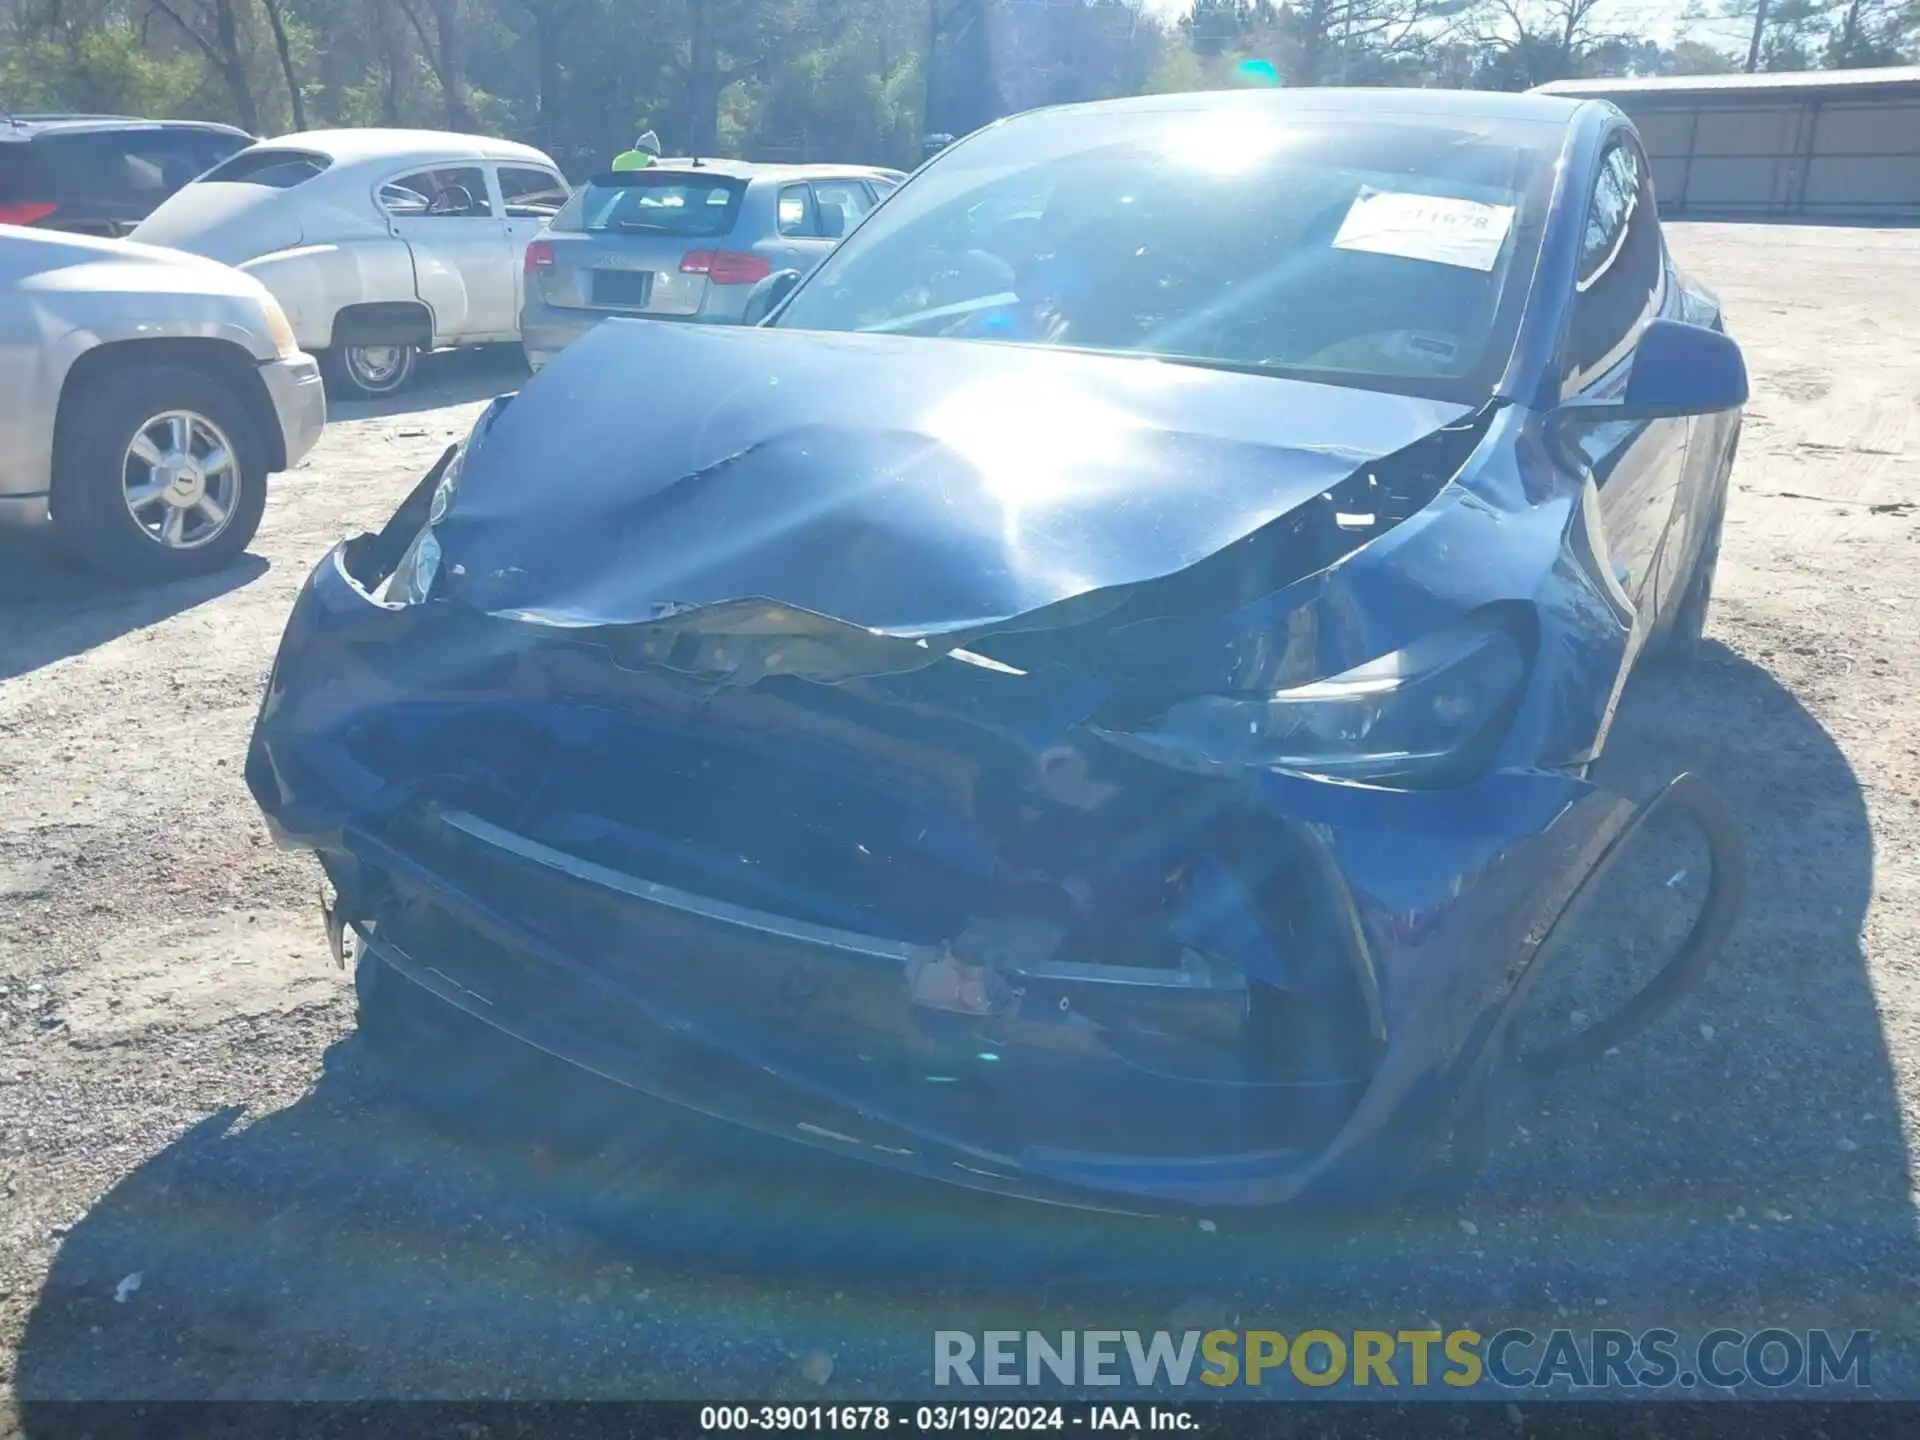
column 1819, row 144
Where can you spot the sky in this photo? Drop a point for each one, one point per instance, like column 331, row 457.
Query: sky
column 1659, row 18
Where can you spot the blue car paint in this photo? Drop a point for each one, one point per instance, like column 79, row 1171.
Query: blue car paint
column 777, row 447
column 1445, row 892
column 1441, row 898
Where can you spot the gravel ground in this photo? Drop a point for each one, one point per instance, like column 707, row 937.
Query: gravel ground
column 208, row 1191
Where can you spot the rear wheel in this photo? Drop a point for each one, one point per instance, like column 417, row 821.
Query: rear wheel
column 1680, row 646
column 159, row 474
column 370, row 372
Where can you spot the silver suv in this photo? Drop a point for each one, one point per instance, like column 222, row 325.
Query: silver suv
column 145, row 396
column 684, row 240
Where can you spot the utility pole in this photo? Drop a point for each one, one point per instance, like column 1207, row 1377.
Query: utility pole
column 1759, row 28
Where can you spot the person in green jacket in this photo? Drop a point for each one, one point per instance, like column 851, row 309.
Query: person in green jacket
column 645, row 151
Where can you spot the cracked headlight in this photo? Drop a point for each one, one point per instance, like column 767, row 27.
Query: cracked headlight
column 1414, row 716
column 411, row 580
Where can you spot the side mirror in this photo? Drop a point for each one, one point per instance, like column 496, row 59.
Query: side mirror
column 766, row 295
column 833, row 219
column 1678, row 370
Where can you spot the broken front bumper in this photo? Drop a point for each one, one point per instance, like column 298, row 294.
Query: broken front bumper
column 966, row 1054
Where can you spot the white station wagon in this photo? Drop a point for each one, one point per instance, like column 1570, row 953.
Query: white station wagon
column 380, row 244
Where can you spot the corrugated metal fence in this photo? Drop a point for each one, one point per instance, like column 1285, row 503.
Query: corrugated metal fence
column 1844, row 149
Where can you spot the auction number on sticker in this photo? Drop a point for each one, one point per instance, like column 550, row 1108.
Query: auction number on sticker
column 807, row 1418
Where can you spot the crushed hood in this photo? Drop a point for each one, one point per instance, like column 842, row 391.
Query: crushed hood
column 901, row 484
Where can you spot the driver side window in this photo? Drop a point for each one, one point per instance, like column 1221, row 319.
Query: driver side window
column 452, row 193
column 1621, row 282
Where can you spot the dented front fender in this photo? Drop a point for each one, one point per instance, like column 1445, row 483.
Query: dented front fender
column 1398, row 926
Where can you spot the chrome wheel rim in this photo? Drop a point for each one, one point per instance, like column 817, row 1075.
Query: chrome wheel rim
column 377, row 367
column 181, row 480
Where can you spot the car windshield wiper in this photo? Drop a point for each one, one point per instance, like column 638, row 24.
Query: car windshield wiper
column 1420, row 386
column 1233, row 367
column 902, row 324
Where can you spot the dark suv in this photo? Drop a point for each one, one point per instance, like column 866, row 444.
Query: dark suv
column 101, row 174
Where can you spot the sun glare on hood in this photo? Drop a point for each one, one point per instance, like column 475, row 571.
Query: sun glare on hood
column 1034, row 445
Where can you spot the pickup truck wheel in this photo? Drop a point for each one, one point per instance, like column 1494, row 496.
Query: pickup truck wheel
column 370, row 372
column 159, row 474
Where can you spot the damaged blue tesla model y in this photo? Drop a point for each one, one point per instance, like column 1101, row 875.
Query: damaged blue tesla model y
column 1092, row 695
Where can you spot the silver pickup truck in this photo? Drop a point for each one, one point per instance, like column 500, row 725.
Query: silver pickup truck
column 145, row 396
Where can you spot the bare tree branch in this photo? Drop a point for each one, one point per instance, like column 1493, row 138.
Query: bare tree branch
column 441, row 46
column 277, row 23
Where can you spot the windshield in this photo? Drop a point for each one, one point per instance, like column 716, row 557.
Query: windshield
column 651, row 203
column 1389, row 254
column 275, row 169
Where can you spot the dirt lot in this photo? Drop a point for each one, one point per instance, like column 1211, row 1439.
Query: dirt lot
column 183, row 1107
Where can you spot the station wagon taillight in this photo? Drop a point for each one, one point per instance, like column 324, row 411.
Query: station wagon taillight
column 539, row 256
column 726, row 267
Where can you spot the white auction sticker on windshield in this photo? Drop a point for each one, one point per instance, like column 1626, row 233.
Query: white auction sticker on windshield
column 1440, row 228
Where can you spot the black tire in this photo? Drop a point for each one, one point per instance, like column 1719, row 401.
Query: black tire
column 476, row 1081
column 1680, row 646
column 99, row 425
column 1687, row 967
column 352, row 374
column 435, row 1053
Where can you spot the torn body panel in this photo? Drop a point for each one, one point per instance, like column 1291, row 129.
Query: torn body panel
column 931, row 857
column 1024, row 958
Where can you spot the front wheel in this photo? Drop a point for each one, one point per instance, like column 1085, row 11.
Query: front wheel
column 436, row 1053
column 463, row 1074
column 159, row 474
column 371, row 372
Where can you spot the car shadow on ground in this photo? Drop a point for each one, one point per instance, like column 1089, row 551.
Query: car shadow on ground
column 52, row 607
column 1741, row 1164
column 449, row 377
